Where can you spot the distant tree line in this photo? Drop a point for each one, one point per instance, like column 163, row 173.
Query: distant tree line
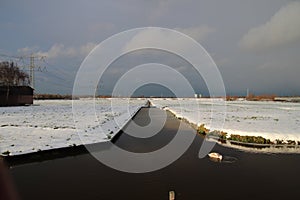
column 252, row 97
column 11, row 75
column 52, row 96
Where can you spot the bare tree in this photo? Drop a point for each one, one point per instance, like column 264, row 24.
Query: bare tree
column 11, row 75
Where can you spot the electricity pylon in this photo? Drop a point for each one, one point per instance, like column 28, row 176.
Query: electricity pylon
column 32, row 68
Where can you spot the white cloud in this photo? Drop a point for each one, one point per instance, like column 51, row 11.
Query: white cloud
column 27, row 50
column 283, row 28
column 59, row 51
column 168, row 39
column 149, row 37
column 197, row 33
column 87, row 48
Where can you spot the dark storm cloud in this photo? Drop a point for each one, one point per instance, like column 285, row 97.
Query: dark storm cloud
column 254, row 43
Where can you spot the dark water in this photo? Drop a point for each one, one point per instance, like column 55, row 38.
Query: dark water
column 247, row 176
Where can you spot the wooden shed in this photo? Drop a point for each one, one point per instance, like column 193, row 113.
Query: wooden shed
column 16, row 95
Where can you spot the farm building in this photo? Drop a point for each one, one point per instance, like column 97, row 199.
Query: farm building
column 16, row 95
column 14, row 89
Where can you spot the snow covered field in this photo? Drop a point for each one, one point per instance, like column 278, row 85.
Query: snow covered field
column 50, row 124
column 272, row 120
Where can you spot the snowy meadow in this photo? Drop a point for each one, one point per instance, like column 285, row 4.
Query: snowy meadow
column 271, row 120
column 50, row 124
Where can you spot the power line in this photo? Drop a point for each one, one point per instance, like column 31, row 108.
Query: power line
column 32, row 67
column 9, row 56
column 32, row 63
column 59, row 71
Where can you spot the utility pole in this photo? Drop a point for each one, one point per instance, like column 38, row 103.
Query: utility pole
column 31, row 71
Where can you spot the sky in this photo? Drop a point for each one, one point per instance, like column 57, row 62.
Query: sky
column 254, row 43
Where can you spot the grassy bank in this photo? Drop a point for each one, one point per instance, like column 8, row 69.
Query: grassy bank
column 244, row 140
